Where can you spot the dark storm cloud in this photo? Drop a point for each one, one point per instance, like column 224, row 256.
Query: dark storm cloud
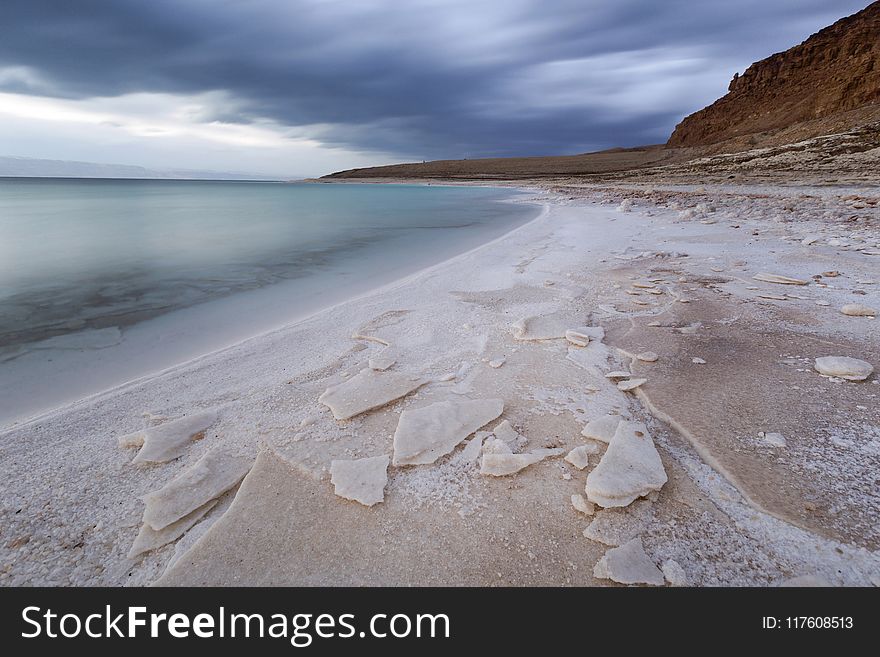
column 424, row 78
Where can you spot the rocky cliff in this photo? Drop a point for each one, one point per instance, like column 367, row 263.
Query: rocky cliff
column 835, row 71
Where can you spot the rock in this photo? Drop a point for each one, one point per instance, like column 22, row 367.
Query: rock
column 539, row 328
column 858, row 310
column 843, row 367
column 361, row 480
column 811, row 581
column 582, row 505
column 674, row 573
column 367, row 390
column 577, row 338
column 498, row 362
column 698, row 361
column 168, row 441
column 425, row 434
column 618, row 374
column 648, row 357
column 774, row 439
column 602, row 428
column 777, row 278
column 628, row 564
column 211, row 476
column 617, row 526
column 149, row 539
column 579, row 457
column 629, row 469
column 498, row 461
column 631, row 384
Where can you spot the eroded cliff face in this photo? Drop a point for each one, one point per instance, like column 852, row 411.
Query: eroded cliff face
column 836, row 70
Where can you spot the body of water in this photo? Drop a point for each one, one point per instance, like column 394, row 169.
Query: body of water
column 121, row 268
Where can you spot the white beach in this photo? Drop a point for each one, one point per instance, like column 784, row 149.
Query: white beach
column 737, row 508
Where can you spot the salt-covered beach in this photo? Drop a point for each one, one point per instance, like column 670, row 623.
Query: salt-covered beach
column 624, row 390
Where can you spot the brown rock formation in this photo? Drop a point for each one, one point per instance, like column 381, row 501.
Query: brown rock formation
column 834, row 71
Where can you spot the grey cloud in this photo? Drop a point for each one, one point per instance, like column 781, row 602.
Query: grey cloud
column 426, row 78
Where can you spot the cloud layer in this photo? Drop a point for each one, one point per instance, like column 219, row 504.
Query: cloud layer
column 421, row 79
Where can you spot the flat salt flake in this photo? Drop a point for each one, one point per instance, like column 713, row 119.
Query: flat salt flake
column 498, row 362
column 674, row 573
column 211, row 476
column 628, row 564
column 618, row 374
column 844, row 367
column 631, row 384
column 361, row 480
column 425, row 434
column 582, row 505
column 647, row 357
column 698, row 361
column 579, row 457
column 778, row 278
column 617, row 526
column 629, row 469
column 773, row 297
column 168, row 441
column 149, row 539
column 501, row 464
column 472, row 449
column 577, row 338
column 602, row 428
column 504, row 431
column 366, row 391
column 381, row 363
column 774, row 439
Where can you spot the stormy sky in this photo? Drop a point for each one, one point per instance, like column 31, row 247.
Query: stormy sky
column 304, row 87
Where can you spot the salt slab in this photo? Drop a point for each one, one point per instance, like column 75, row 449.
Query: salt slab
column 381, row 363
column 513, row 439
column 149, row 539
column 577, row 338
column 367, row 390
column 579, row 457
column 629, row 469
column 631, row 384
column 580, row 503
column 539, row 328
column 844, row 367
column 674, row 573
column 858, row 310
column 361, row 480
column 628, row 564
column 647, row 357
column 425, row 434
column 499, row 461
column 211, row 476
column 602, row 428
column 168, row 441
column 777, row 278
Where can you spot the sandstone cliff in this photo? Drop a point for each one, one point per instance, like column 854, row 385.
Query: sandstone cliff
column 836, row 70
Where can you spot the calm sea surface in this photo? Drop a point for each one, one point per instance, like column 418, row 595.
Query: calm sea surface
column 82, row 262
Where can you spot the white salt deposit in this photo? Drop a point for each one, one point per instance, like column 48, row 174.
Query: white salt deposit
column 844, row 367
column 425, row 434
column 168, row 441
column 778, row 278
column 499, row 461
column 366, row 391
column 539, row 328
column 360, row 480
column 629, row 469
column 149, row 539
column 617, row 526
column 628, row 564
column 582, row 504
column 579, row 457
column 631, row 384
column 602, row 428
column 211, row 476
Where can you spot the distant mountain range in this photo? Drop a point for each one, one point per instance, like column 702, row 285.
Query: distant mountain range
column 31, row 167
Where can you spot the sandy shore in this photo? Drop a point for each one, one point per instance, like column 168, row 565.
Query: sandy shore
column 668, row 270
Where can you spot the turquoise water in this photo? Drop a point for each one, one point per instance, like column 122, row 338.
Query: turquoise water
column 103, row 282
column 79, row 254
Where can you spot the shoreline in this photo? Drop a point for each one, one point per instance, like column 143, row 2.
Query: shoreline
column 574, row 262
column 201, row 315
